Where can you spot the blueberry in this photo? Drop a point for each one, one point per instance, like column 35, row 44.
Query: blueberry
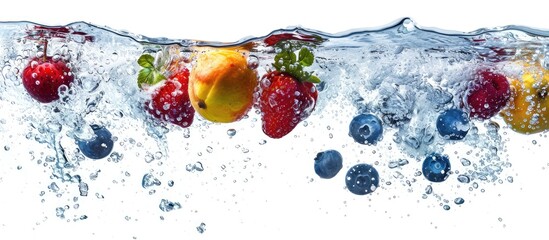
column 436, row 167
column 366, row 129
column 328, row 163
column 99, row 146
column 362, row 179
column 453, row 124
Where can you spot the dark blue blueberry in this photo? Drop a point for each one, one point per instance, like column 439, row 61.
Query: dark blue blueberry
column 366, row 129
column 453, row 124
column 328, row 163
column 362, row 179
column 99, row 146
column 436, row 167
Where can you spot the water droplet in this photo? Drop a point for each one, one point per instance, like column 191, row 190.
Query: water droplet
column 149, row 180
column 167, row 206
column 83, row 188
column 94, row 175
column 53, row 187
column 393, row 164
column 459, row 201
column 195, row 167
column 201, row 228
column 446, row 207
column 465, row 162
column 510, row 179
column 475, row 185
column 209, row 149
column 171, row 183
column 231, row 132
column 60, row 212
column 149, row 158
column 116, row 157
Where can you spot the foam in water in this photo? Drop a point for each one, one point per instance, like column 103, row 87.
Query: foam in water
column 403, row 75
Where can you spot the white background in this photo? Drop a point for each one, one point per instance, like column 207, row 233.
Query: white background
column 232, row 20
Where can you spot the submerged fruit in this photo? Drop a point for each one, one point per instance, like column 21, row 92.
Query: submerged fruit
column 362, row 179
column 285, row 103
column 488, row 93
column 366, row 129
column 170, row 102
column 221, row 85
column 436, row 167
column 43, row 77
column 288, row 94
column 328, row 163
column 528, row 110
column 453, row 124
column 99, row 146
column 167, row 84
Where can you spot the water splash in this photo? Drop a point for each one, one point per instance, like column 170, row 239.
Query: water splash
column 403, row 73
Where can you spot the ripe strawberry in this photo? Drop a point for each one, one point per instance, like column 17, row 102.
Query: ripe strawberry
column 170, row 102
column 287, row 97
column 43, row 76
column 285, row 103
column 488, row 93
column 169, row 97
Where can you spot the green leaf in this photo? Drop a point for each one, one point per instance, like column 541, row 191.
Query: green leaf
column 148, row 74
column 306, row 57
column 145, row 76
column 146, row 61
column 287, row 61
column 313, row 79
column 284, row 60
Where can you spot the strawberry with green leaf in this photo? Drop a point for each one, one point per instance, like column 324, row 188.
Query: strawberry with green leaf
column 167, row 82
column 288, row 94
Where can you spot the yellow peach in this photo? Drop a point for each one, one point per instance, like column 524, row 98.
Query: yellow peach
column 221, row 85
column 528, row 108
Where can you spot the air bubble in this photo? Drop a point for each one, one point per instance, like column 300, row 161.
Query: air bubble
column 407, row 26
column 463, row 179
column 429, row 189
column 253, row 62
column 195, row 167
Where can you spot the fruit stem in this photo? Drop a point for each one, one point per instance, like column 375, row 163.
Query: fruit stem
column 45, row 41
